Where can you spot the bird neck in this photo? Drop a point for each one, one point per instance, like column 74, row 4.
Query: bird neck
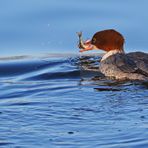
column 110, row 53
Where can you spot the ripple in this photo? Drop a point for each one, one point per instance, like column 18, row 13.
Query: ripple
column 5, row 143
column 55, row 98
column 75, row 74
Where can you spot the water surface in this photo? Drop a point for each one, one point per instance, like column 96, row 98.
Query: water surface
column 51, row 102
column 48, row 100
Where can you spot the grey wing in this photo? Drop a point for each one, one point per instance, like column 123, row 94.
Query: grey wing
column 141, row 60
column 124, row 63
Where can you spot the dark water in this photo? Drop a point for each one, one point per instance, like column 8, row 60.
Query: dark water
column 51, row 102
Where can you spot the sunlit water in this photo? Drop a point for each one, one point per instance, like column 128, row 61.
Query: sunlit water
column 52, row 102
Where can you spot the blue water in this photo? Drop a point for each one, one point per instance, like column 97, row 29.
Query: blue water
column 46, row 98
column 51, row 102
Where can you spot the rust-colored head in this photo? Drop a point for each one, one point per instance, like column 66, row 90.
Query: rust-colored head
column 108, row 40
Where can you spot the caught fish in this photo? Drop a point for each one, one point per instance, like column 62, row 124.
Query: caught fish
column 84, row 45
column 80, row 43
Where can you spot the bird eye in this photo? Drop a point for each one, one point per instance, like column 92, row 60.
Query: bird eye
column 93, row 40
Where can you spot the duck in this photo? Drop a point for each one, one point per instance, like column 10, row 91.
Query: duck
column 115, row 63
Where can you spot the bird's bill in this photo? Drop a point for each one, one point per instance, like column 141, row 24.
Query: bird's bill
column 86, row 46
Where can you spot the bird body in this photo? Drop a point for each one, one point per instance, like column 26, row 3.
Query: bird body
column 115, row 63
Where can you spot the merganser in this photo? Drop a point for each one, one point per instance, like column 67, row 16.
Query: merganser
column 115, row 63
